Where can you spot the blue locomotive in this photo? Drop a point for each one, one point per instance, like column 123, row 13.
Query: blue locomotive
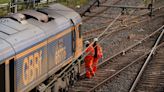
column 35, row 45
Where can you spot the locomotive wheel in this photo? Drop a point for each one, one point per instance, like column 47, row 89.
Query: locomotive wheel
column 60, row 85
column 60, row 89
column 66, row 89
column 67, row 81
column 56, row 87
column 72, row 78
column 76, row 72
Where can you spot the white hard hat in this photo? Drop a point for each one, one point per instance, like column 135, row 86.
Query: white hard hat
column 95, row 39
column 87, row 42
column 78, row 6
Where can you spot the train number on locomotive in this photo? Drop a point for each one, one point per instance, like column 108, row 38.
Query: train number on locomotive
column 60, row 53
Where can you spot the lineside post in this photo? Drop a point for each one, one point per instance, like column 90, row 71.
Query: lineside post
column 33, row 2
column 13, row 6
column 123, row 11
column 98, row 3
column 150, row 7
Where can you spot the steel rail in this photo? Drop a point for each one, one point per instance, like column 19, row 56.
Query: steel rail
column 123, row 51
column 128, row 48
column 146, row 63
column 141, row 57
column 132, row 46
column 131, row 19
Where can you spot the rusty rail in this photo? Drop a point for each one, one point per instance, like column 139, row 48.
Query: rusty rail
column 146, row 63
column 130, row 23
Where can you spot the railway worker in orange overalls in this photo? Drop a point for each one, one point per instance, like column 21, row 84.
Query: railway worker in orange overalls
column 89, row 59
column 98, row 54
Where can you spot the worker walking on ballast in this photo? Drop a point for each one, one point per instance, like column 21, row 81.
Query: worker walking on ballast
column 89, row 59
column 98, row 54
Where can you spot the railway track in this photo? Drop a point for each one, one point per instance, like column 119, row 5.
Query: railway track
column 89, row 85
column 122, row 80
column 148, row 75
column 152, row 79
column 118, row 40
column 88, row 35
column 97, row 20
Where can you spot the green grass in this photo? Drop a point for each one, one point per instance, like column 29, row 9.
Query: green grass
column 69, row 3
column 3, row 11
column 4, row 1
column 73, row 3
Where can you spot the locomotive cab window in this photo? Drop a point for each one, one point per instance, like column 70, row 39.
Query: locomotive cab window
column 74, row 40
column 80, row 32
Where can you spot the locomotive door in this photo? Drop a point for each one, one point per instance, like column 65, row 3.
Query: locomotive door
column 79, row 44
column 2, row 77
column 9, row 76
column 12, row 75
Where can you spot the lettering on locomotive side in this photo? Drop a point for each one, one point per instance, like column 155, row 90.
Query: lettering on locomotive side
column 60, row 53
column 31, row 67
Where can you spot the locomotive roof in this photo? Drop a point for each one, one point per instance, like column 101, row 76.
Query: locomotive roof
column 18, row 33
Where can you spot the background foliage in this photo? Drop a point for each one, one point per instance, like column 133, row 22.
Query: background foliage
column 4, row 1
column 70, row 3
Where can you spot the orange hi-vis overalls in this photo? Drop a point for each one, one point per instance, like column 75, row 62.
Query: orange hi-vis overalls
column 98, row 55
column 89, row 61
